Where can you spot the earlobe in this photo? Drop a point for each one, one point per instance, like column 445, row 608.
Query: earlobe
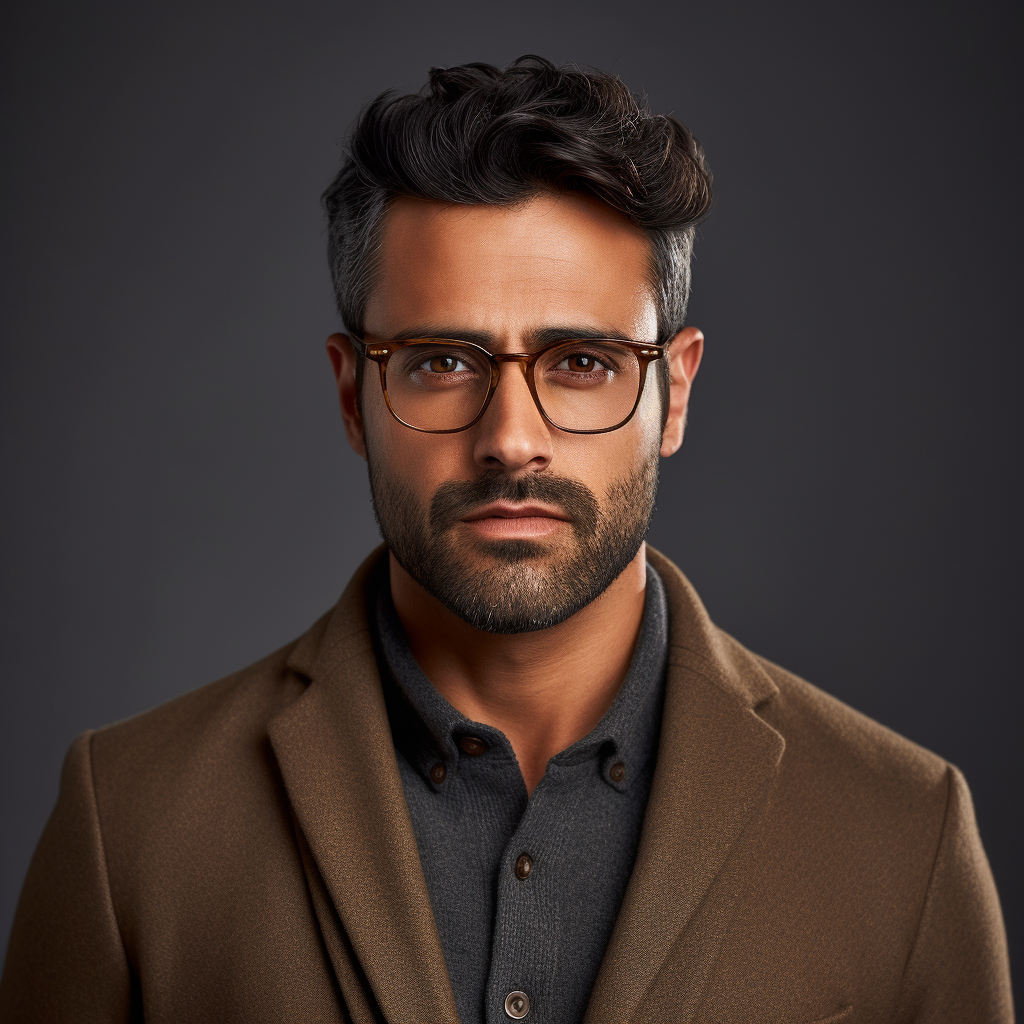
column 344, row 362
column 684, row 355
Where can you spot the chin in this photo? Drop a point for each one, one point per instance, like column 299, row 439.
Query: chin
column 510, row 552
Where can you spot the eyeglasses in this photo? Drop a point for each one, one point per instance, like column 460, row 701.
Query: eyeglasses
column 583, row 386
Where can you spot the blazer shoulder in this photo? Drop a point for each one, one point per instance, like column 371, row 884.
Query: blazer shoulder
column 215, row 739
column 204, row 724
column 828, row 735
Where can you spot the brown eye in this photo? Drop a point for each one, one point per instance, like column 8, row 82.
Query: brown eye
column 581, row 363
column 442, row 364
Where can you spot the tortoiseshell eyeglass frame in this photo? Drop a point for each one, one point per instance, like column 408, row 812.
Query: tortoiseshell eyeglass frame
column 381, row 352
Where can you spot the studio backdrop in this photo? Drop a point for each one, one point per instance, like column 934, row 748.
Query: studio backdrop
column 179, row 497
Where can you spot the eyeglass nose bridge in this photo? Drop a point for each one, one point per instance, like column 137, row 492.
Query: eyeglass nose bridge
column 527, row 361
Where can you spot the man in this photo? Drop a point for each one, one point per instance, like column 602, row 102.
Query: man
column 516, row 772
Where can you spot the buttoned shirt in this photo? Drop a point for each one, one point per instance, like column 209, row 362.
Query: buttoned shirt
column 525, row 890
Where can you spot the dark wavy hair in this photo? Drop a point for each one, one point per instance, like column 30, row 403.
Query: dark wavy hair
column 479, row 134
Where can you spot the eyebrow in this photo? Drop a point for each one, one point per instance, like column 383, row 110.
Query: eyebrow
column 537, row 338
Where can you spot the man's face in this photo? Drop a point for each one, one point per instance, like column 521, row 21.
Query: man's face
column 512, row 524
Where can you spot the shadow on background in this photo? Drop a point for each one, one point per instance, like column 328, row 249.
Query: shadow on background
column 180, row 498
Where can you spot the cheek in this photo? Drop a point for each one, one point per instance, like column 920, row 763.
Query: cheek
column 385, row 436
column 416, row 461
column 649, row 414
column 603, row 461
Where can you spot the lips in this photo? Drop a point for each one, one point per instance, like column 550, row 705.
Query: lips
column 507, row 510
column 496, row 504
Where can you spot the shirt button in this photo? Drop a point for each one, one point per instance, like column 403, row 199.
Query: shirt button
column 617, row 771
column 472, row 746
column 517, row 1005
column 438, row 773
column 524, row 865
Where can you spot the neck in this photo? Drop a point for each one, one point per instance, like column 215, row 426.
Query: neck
column 544, row 690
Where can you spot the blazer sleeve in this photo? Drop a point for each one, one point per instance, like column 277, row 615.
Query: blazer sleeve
column 65, row 961
column 958, row 969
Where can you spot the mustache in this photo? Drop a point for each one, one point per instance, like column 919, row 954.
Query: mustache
column 456, row 499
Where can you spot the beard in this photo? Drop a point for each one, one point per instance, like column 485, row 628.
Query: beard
column 515, row 586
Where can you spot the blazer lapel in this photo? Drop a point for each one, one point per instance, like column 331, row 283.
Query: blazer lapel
column 717, row 760
column 337, row 759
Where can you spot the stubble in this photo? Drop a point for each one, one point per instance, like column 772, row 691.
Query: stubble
column 515, row 586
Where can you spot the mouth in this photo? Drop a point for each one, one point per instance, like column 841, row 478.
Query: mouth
column 506, row 520
column 508, row 510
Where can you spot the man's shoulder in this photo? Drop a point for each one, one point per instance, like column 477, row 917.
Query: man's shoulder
column 232, row 714
column 825, row 740
column 821, row 728
column 870, row 787
column 201, row 730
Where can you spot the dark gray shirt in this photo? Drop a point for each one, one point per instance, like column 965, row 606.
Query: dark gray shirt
column 525, row 891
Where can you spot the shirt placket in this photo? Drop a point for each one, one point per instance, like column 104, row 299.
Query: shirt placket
column 528, row 920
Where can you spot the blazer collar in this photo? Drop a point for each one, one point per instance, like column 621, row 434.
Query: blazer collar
column 337, row 759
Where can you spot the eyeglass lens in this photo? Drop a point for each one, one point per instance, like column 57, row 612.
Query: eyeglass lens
column 581, row 385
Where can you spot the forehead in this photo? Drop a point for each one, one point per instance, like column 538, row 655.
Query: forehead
column 550, row 261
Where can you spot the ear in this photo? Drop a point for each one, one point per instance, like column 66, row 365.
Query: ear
column 344, row 360
column 684, row 355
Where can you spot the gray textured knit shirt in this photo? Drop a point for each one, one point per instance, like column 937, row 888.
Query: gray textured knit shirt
column 544, row 934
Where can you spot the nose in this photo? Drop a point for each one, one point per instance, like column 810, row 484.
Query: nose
column 512, row 434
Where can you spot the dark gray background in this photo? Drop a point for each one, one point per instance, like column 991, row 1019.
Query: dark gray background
column 179, row 496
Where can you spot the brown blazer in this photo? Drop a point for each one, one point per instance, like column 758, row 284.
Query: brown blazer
column 244, row 853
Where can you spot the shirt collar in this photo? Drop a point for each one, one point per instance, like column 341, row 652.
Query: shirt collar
column 427, row 728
